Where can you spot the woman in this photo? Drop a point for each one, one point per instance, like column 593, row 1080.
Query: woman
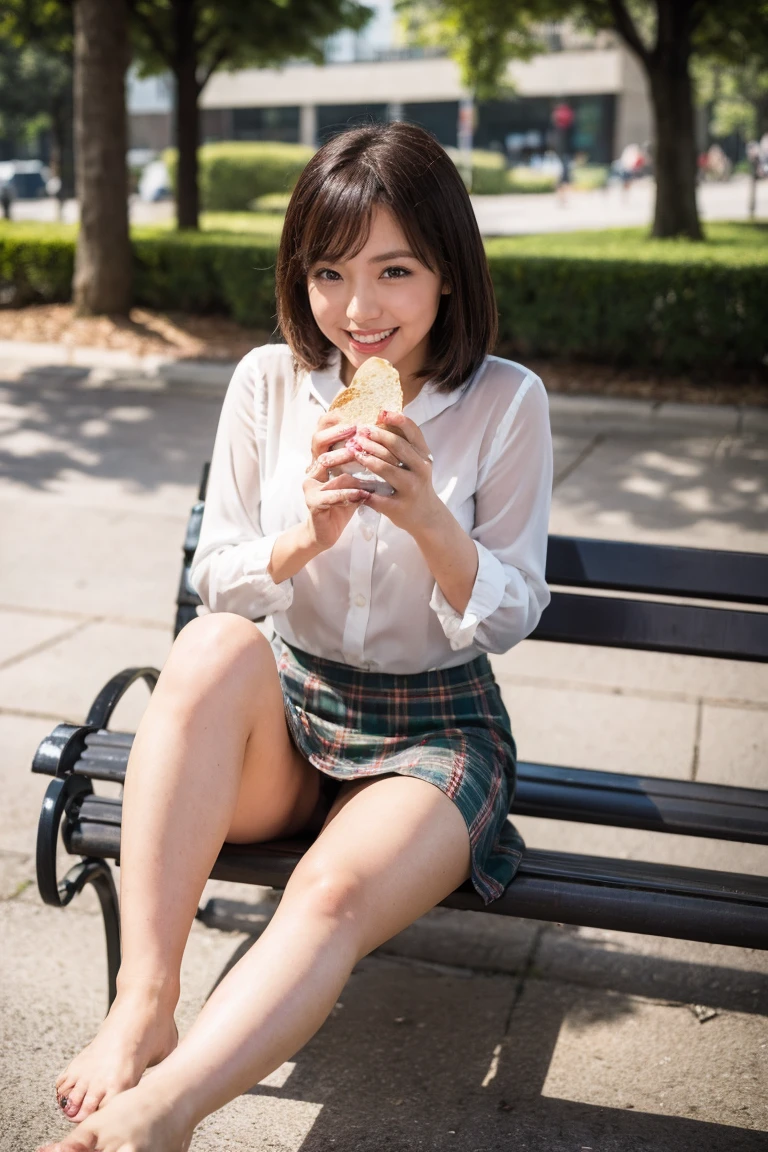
column 374, row 719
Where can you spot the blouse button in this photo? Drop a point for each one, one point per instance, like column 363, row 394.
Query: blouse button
column 367, row 532
column 360, row 600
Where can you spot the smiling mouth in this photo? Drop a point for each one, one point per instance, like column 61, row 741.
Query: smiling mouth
column 371, row 337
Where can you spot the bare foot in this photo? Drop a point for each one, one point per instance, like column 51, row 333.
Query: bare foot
column 138, row 1032
column 139, row 1119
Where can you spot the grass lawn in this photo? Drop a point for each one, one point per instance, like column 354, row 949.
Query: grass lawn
column 730, row 243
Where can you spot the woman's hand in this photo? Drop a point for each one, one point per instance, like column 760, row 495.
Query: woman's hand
column 331, row 500
column 393, row 440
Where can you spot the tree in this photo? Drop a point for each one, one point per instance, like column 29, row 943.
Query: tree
column 662, row 34
column 95, row 32
column 732, row 80
column 103, row 259
column 194, row 38
column 36, row 82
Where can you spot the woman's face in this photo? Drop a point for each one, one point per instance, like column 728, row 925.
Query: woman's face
column 381, row 302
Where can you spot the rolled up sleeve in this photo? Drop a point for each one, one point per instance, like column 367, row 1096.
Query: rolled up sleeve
column 512, row 506
column 229, row 567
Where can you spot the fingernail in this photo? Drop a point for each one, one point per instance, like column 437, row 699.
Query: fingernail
column 363, row 431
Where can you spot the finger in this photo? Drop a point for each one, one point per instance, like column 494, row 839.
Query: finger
column 331, row 498
column 392, row 473
column 363, row 446
column 340, row 456
column 330, row 435
column 395, row 447
column 403, row 426
column 343, row 480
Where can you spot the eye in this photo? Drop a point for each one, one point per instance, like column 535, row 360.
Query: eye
column 326, row 274
column 398, row 272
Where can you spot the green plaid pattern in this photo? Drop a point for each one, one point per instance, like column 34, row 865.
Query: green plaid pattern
column 449, row 727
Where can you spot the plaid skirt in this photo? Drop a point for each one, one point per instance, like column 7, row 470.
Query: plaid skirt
column 448, row 726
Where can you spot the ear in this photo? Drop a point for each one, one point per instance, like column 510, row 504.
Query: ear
column 445, row 290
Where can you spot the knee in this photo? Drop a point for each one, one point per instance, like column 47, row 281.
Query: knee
column 328, row 892
column 215, row 648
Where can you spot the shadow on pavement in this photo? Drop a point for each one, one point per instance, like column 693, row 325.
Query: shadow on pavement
column 143, row 437
column 427, row 1057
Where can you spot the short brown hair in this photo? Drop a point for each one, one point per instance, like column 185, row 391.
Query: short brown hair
column 403, row 168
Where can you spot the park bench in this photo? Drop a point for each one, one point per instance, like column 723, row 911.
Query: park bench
column 638, row 596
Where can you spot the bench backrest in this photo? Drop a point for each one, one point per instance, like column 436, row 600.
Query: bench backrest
column 649, row 596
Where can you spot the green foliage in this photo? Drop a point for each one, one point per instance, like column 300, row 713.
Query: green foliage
column 36, row 263
column 235, row 34
column 482, row 36
column 35, row 68
column 610, row 296
column 618, row 297
column 232, row 175
column 207, row 272
column 275, row 203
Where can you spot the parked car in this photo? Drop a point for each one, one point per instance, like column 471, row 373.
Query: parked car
column 27, row 179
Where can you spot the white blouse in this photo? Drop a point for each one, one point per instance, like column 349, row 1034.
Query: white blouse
column 371, row 601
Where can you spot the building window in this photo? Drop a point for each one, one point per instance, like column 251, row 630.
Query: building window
column 266, row 124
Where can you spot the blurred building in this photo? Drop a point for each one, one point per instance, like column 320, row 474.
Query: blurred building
column 373, row 76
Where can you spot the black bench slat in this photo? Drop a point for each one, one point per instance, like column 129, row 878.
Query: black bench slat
column 628, row 895
column 612, row 622
column 694, row 573
column 109, row 738
column 582, row 795
column 656, row 805
column 657, row 785
column 98, row 817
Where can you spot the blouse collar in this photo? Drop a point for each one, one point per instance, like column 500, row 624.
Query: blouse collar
column 325, row 384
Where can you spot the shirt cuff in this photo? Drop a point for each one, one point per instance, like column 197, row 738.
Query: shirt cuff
column 487, row 594
column 237, row 581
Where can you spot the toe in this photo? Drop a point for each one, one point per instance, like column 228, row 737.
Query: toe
column 75, row 1098
column 90, row 1103
column 65, row 1080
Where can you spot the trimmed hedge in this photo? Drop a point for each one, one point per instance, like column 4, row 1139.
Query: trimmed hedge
column 612, row 297
column 232, row 174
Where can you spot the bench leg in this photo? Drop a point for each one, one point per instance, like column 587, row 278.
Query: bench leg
column 61, row 796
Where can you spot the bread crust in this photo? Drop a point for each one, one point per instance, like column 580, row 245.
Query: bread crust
column 375, row 385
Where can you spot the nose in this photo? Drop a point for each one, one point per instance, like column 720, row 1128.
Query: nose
column 362, row 306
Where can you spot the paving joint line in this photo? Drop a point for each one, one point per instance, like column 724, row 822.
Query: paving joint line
column 636, row 693
column 103, row 618
column 697, row 739
column 32, row 714
column 585, row 453
column 51, row 642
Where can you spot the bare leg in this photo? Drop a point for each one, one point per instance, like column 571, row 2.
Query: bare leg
column 391, row 849
column 211, row 760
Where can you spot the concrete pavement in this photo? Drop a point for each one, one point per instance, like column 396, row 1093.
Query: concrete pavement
column 613, row 207
column 466, row 1032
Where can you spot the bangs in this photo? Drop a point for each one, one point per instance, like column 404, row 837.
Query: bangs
column 337, row 223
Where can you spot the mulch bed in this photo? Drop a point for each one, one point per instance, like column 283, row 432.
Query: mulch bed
column 182, row 336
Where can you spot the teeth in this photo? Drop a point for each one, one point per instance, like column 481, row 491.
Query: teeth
column 360, row 339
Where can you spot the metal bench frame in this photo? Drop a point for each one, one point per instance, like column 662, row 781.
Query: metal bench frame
column 633, row 896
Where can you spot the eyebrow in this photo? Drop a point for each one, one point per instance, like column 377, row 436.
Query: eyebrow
column 391, row 256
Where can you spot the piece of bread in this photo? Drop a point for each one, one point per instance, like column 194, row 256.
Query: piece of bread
column 375, row 385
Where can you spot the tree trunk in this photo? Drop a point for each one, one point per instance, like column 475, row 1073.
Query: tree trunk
column 103, row 261
column 676, row 212
column 752, row 206
column 187, row 115
column 62, row 156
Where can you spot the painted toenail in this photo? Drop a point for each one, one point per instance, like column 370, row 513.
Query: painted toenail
column 63, row 1101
